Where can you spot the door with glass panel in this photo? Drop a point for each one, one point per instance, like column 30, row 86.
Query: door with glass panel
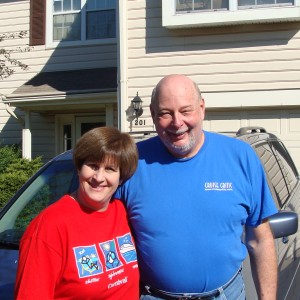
column 74, row 128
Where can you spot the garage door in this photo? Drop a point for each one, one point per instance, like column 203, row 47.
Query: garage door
column 283, row 123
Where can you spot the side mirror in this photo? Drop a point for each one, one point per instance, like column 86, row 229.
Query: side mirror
column 284, row 223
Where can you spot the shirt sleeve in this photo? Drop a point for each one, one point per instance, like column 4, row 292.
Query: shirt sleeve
column 38, row 266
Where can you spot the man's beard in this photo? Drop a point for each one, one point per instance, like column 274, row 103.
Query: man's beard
column 183, row 149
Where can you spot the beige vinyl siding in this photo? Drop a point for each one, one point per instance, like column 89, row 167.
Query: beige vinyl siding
column 258, row 60
column 14, row 17
column 10, row 129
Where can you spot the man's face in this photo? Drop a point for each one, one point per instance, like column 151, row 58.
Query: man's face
column 178, row 116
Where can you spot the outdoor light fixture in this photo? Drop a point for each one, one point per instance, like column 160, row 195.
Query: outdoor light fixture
column 136, row 103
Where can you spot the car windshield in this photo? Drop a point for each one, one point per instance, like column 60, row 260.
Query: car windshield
column 52, row 182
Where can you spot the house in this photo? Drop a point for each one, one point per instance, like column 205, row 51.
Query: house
column 91, row 58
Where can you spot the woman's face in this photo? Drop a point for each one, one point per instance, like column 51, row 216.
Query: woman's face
column 97, row 184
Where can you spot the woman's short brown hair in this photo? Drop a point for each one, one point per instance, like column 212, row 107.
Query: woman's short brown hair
column 107, row 143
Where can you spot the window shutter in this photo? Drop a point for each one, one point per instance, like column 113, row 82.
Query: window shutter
column 37, row 22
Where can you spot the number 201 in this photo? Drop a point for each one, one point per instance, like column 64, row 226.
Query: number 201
column 140, row 122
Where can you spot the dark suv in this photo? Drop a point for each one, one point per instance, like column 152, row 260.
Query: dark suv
column 58, row 177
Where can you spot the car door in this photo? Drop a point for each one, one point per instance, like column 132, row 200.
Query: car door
column 53, row 180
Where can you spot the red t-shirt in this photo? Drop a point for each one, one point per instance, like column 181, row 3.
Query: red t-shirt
column 68, row 252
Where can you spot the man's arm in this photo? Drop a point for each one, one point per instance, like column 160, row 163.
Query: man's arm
column 263, row 259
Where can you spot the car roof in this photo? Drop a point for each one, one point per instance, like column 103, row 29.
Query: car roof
column 68, row 155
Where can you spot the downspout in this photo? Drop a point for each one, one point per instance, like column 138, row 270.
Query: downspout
column 122, row 32
column 12, row 113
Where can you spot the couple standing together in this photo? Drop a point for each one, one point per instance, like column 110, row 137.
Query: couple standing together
column 188, row 194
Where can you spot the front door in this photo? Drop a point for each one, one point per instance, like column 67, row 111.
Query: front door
column 84, row 124
column 71, row 128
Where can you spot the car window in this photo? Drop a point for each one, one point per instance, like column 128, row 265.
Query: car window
column 281, row 171
column 57, row 179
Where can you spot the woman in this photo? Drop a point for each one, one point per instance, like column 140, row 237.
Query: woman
column 81, row 247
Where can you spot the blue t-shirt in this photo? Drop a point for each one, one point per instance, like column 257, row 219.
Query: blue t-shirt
column 187, row 215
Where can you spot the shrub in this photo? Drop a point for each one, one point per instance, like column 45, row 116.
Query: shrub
column 14, row 171
column 7, row 155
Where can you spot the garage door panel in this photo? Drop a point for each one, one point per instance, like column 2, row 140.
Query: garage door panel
column 222, row 123
column 293, row 127
column 293, row 146
column 283, row 123
column 270, row 121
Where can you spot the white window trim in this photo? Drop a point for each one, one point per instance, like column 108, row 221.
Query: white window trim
column 171, row 19
column 54, row 44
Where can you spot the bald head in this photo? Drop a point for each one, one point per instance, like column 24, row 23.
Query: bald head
column 175, row 80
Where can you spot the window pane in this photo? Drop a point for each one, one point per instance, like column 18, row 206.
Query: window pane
column 101, row 4
column 198, row 5
column 67, row 27
column 202, row 4
column 246, row 2
column 184, row 5
column 264, row 2
column 76, row 5
column 57, row 6
column 67, row 5
column 67, row 136
column 85, row 127
column 91, row 4
column 281, row 171
column 111, row 3
column 272, row 169
column 291, row 2
column 101, row 24
column 221, row 4
column 56, row 181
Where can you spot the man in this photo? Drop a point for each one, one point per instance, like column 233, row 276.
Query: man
column 189, row 200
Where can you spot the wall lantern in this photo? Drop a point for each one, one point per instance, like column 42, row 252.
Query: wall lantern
column 136, row 103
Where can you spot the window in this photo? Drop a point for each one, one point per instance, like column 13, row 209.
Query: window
column 81, row 20
column 280, row 169
column 66, row 20
column 100, row 19
column 207, row 13
column 55, row 180
column 67, row 137
column 86, row 123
